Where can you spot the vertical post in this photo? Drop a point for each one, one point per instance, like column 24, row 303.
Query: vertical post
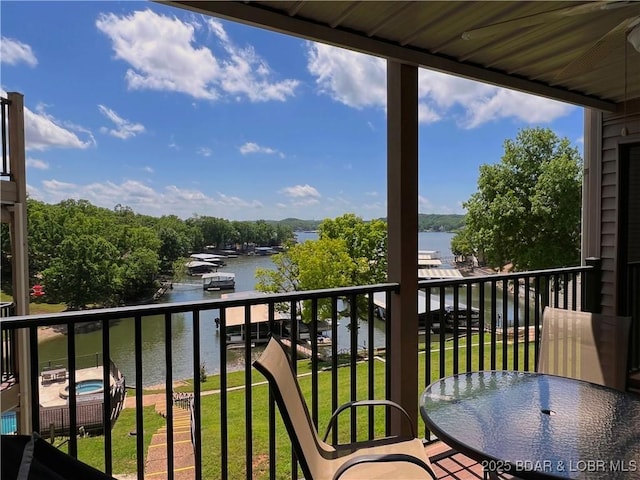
column 19, row 254
column 591, row 296
column 402, row 224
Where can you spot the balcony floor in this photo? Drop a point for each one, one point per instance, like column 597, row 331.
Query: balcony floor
column 450, row 465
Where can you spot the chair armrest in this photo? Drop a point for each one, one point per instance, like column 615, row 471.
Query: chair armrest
column 392, row 457
column 366, row 403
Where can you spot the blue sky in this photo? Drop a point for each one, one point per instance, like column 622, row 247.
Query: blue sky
column 170, row 112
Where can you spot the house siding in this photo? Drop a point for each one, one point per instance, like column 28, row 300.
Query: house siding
column 611, row 139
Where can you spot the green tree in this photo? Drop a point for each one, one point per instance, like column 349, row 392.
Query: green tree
column 173, row 245
column 136, row 274
column 366, row 244
column 462, row 243
column 527, row 207
column 323, row 263
column 84, row 272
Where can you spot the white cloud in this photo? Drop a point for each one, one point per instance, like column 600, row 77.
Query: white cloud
column 37, row 164
column 142, row 198
column 359, row 81
column 148, row 169
column 301, row 191
column 43, row 131
column 251, row 147
column 349, row 77
column 124, row 128
column 424, row 204
column 511, row 104
column 13, row 51
column 204, row 151
column 164, row 55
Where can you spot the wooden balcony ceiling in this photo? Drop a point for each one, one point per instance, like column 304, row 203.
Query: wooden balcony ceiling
column 571, row 51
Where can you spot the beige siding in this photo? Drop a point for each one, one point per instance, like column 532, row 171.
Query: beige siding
column 612, row 124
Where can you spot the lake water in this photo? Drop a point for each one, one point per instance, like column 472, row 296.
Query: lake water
column 153, row 343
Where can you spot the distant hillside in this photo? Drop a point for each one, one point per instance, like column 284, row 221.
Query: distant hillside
column 426, row 222
column 296, row 224
column 440, row 223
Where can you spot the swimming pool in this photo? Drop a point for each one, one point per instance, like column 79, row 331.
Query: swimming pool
column 84, row 387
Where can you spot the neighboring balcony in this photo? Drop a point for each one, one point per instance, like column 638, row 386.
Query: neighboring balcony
column 228, row 426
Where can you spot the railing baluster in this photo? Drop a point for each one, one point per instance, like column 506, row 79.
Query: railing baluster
column 442, row 327
column 516, row 317
column 35, row 387
column 314, row 361
column 334, row 363
column 294, row 361
column 537, row 321
column 140, row 453
column 527, row 319
column 469, row 321
column 106, row 396
column 481, row 325
column 371, row 362
column 248, row 394
column 224, row 408
column 73, row 410
column 168, row 396
column 494, row 323
column 197, row 399
column 353, row 322
column 505, row 323
column 456, row 333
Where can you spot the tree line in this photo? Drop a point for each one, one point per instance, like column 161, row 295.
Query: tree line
column 88, row 255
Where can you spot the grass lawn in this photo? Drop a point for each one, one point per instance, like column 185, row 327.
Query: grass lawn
column 36, row 308
column 91, row 449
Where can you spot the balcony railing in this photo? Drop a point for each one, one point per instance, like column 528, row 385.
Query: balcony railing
column 468, row 324
column 7, row 348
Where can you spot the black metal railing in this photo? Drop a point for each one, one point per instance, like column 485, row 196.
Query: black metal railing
column 4, row 115
column 8, row 359
column 633, row 310
column 236, row 431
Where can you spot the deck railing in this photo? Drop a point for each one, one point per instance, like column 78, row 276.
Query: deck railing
column 8, row 360
column 236, row 431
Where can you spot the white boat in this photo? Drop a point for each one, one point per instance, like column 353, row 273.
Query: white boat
column 219, row 281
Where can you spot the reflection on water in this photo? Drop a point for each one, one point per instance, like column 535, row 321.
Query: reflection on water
column 122, row 332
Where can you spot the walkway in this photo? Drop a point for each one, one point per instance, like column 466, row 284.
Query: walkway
column 183, row 458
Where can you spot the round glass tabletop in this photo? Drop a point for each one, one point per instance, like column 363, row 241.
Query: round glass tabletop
column 537, row 426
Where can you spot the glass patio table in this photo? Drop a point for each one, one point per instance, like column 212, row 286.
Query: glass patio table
column 532, row 425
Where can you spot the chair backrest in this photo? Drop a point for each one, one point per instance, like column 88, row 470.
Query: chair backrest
column 275, row 366
column 586, row 346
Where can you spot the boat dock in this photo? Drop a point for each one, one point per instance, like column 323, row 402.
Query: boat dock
column 302, row 350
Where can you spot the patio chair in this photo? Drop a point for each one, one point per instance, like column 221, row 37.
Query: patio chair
column 585, row 346
column 377, row 459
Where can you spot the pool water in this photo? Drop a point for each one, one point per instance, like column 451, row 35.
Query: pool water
column 83, row 387
column 9, row 423
column 88, row 386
